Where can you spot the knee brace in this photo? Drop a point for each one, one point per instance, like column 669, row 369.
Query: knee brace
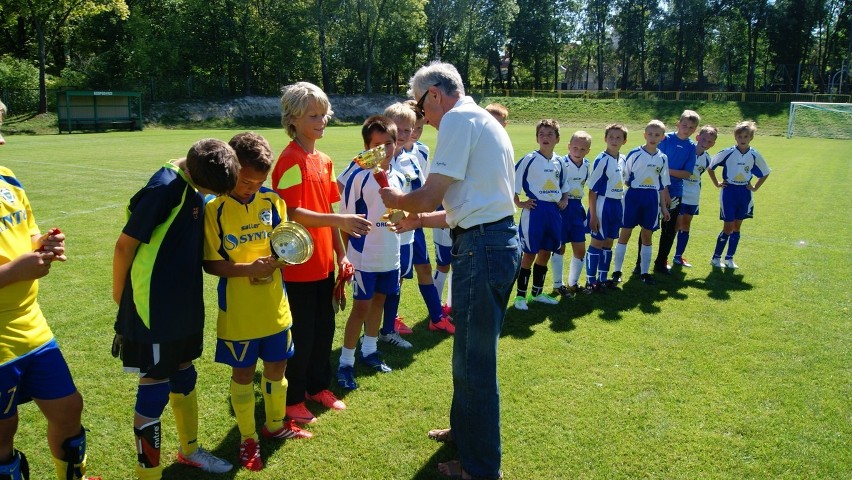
column 148, row 444
column 183, row 381
column 17, row 469
column 151, row 399
column 74, row 455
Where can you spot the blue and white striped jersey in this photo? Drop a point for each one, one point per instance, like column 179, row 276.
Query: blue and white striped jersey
column 646, row 170
column 607, row 178
column 738, row 167
column 692, row 185
column 539, row 177
column 575, row 177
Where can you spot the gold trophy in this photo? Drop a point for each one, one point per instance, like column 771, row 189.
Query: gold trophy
column 291, row 244
column 371, row 159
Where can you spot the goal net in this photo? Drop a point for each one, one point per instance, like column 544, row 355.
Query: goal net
column 824, row 120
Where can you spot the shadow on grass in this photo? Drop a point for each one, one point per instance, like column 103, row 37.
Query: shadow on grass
column 720, row 282
column 429, row 471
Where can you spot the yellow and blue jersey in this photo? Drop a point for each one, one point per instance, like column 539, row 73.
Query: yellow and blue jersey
column 239, row 232
column 23, row 327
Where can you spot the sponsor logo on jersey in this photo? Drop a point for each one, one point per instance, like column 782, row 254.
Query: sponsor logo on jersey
column 232, row 241
column 266, row 217
column 7, row 195
column 11, row 219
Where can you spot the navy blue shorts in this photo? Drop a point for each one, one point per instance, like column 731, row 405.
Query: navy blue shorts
column 41, row 374
column 573, row 222
column 686, row 209
column 642, row 207
column 541, row 228
column 736, row 203
column 443, row 246
column 366, row 284
column 610, row 213
column 245, row 353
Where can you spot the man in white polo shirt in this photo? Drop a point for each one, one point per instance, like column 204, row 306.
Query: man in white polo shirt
column 472, row 174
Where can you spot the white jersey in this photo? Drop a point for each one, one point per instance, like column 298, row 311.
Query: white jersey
column 475, row 150
column 646, row 170
column 738, row 167
column 607, row 178
column 377, row 251
column 421, row 151
column 408, row 165
column 692, row 185
column 575, row 177
column 539, row 177
column 343, row 178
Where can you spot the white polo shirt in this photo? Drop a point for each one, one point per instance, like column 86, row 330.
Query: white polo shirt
column 473, row 148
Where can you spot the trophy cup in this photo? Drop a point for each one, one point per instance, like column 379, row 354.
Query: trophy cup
column 371, row 159
column 291, row 244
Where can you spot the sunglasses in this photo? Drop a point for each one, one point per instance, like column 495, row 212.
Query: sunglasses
column 419, row 106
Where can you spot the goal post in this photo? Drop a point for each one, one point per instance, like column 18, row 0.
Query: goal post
column 817, row 119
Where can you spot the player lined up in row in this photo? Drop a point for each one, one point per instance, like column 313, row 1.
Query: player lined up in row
column 655, row 186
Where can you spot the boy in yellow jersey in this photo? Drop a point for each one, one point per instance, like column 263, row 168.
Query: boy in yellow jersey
column 254, row 315
column 31, row 365
column 158, row 286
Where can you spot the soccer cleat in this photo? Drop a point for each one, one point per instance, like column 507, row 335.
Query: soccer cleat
column 401, row 327
column 616, row 277
column 637, row 270
column 521, row 303
column 300, row 414
column 596, row 287
column 729, row 263
column 250, row 455
column 444, row 324
column 204, row 460
column 682, row 262
column 663, row 269
column 374, row 361
column 288, row 430
column 611, row 284
column 346, row 377
column 648, row 279
column 394, row 339
column 546, row 299
column 327, row 399
column 576, row 288
column 716, row 262
column 562, row 291
column 446, row 310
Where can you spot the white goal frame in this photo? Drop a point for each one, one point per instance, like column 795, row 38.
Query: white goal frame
column 831, row 107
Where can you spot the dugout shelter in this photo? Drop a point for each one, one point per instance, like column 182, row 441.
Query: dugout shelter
column 98, row 110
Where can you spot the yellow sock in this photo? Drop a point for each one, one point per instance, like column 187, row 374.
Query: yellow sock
column 62, row 469
column 185, row 409
column 153, row 473
column 242, row 400
column 274, row 402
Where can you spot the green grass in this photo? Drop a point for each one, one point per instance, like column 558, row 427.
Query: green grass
column 708, row 375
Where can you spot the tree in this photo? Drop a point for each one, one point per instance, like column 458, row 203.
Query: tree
column 51, row 18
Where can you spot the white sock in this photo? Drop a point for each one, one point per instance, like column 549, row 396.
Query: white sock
column 439, row 278
column 618, row 260
column 347, row 357
column 556, row 270
column 645, row 258
column 450, row 290
column 369, row 345
column 574, row 271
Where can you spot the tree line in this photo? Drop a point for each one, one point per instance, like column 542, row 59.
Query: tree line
column 178, row 49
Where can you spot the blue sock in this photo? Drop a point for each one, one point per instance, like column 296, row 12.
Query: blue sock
column 732, row 244
column 682, row 240
column 593, row 258
column 603, row 265
column 432, row 300
column 391, row 308
column 721, row 241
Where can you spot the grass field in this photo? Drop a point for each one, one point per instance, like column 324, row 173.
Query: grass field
column 709, row 374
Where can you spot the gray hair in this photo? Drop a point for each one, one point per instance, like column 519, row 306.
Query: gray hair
column 438, row 74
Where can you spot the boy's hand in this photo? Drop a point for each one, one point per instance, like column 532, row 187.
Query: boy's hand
column 263, row 267
column 53, row 242
column 355, row 225
column 561, row 204
column 666, row 215
column 528, row 204
column 594, row 223
column 751, row 187
column 30, row 266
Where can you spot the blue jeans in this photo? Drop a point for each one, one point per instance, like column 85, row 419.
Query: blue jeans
column 486, row 260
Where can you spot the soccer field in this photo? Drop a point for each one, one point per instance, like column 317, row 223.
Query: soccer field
column 708, row 374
